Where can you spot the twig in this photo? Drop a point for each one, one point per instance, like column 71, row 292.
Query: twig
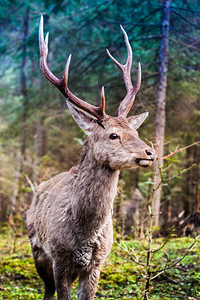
column 178, row 261
column 30, row 183
column 130, row 260
column 186, row 9
column 180, row 150
column 150, row 37
column 185, row 19
column 161, row 247
column 185, row 44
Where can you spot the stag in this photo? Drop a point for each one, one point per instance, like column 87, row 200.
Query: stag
column 70, row 219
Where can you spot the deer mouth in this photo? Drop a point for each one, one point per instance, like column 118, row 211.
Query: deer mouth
column 144, row 162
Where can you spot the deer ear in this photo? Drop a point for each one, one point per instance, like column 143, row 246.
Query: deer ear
column 136, row 121
column 85, row 121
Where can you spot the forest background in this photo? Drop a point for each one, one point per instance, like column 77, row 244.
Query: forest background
column 39, row 139
column 38, row 135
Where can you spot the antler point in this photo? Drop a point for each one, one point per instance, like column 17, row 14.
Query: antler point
column 122, row 28
column 47, row 39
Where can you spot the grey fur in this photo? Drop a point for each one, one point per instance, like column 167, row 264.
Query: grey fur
column 70, row 219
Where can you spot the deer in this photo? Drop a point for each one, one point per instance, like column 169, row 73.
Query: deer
column 69, row 221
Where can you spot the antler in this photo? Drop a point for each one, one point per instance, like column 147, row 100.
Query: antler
column 61, row 84
column 128, row 100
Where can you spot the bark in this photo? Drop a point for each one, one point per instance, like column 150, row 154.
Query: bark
column 41, row 138
column 4, row 203
column 197, row 171
column 23, row 87
column 23, row 84
column 187, row 184
column 161, row 102
column 41, row 146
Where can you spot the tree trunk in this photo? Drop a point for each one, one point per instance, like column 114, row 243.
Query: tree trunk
column 41, row 145
column 23, row 88
column 197, row 172
column 161, row 103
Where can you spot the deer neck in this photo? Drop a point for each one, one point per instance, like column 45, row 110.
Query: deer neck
column 95, row 188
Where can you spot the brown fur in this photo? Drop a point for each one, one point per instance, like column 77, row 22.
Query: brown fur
column 70, row 219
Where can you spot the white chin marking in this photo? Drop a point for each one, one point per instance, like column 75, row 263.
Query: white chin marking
column 144, row 163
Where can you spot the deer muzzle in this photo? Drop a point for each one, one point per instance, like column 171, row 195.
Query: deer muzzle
column 147, row 161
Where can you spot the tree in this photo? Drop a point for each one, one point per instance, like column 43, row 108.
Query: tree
column 161, row 102
column 24, row 93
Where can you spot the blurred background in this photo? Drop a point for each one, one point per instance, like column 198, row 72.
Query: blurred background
column 38, row 137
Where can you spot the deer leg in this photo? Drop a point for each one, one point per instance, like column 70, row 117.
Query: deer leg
column 43, row 264
column 63, row 280
column 88, row 282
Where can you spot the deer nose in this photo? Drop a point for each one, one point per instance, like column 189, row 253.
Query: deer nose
column 150, row 153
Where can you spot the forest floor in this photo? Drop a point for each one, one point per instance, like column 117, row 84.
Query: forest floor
column 121, row 277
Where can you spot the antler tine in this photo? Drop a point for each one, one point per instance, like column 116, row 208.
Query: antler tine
column 62, row 84
column 43, row 55
column 128, row 100
column 103, row 100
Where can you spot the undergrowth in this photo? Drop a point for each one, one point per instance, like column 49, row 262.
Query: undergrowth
column 121, row 278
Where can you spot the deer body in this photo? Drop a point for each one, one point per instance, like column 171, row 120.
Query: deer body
column 70, row 219
column 60, row 223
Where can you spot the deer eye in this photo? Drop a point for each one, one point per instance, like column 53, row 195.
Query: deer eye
column 113, row 136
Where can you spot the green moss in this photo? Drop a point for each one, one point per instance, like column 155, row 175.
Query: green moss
column 120, row 278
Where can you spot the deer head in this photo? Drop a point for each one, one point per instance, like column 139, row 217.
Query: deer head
column 113, row 140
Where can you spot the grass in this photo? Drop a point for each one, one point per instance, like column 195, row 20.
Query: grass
column 121, row 278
